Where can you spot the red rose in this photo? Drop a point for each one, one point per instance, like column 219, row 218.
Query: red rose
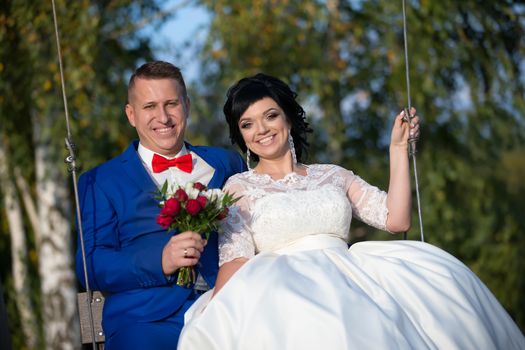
column 193, row 207
column 164, row 221
column 181, row 195
column 223, row 214
column 202, row 201
column 171, row 208
column 198, row 186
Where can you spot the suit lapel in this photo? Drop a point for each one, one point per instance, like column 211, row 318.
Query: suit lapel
column 213, row 160
column 134, row 169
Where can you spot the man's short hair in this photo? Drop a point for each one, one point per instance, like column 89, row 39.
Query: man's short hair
column 157, row 70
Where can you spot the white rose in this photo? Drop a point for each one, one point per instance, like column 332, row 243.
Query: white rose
column 210, row 195
column 192, row 193
column 219, row 195
column 188, row 187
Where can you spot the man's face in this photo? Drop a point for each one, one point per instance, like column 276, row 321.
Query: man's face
column 159, row 110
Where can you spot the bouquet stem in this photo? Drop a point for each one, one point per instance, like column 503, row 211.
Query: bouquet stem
column 186, row 276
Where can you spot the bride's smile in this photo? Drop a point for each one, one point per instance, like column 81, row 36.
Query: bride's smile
column 266, row 141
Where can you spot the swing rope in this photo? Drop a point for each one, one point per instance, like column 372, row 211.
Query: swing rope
column 411, row 141
column 72, row 168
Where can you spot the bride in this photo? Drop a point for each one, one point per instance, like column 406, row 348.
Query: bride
column 287, row 278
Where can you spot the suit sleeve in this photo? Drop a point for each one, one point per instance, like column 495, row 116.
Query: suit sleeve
column 236, row 164
column 111, row 266
column 241, row 164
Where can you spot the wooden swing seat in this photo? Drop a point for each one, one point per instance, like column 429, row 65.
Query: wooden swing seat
column 97, row 304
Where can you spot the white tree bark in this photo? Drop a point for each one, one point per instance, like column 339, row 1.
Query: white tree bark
column 29, row 203
column 19, row 254
column 61, row 324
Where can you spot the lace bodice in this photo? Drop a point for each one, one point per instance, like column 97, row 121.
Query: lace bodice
column 274, row 213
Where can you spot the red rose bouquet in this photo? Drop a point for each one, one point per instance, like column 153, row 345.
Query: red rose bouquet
column 192, row 207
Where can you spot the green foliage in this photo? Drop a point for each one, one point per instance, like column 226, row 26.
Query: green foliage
column 346, row 60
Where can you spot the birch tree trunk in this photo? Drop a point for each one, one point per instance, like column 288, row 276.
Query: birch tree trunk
column 19, row 254
column 61, row 325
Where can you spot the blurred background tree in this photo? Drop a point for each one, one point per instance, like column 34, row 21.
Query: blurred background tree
column 346, row 61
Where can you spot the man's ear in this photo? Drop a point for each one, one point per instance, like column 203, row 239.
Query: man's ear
column 130, row 114
column 187, row 103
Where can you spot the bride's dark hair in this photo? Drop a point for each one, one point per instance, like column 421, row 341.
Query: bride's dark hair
column 249, row 90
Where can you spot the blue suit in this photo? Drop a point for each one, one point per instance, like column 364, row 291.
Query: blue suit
column 124, row 244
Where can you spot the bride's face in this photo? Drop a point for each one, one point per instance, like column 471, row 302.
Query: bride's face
column 264, row 129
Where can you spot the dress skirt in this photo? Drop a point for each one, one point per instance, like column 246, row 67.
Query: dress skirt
column 318, row 294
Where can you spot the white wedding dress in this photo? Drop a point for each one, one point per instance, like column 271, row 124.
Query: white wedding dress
column 302, row 288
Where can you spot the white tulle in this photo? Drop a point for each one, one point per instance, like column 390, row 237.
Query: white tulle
column 302, row 288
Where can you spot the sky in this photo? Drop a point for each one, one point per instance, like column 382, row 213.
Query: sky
column 187, row 23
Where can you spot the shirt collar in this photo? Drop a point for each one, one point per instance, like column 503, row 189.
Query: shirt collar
column 147, row 155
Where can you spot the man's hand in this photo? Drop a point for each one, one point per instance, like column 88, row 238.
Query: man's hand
column 183, row 249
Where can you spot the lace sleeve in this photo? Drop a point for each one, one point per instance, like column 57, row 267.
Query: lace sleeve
column 235, row 238
column 368, row 202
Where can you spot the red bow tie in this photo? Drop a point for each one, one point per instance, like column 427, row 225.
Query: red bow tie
column 184, row 163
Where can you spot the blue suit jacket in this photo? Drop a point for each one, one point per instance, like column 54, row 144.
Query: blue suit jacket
column 123, row 242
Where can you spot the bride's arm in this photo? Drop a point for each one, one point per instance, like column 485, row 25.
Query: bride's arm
column 236, row 244
column 399, row 198
column 226, row 271
column 387, row 211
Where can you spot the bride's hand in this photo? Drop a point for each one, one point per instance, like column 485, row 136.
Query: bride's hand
column 405, row 129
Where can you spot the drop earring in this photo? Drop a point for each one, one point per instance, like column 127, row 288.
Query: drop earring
column 248, row 158
column 292, row 146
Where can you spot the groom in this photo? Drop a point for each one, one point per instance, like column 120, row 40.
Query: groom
column 130, row 258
